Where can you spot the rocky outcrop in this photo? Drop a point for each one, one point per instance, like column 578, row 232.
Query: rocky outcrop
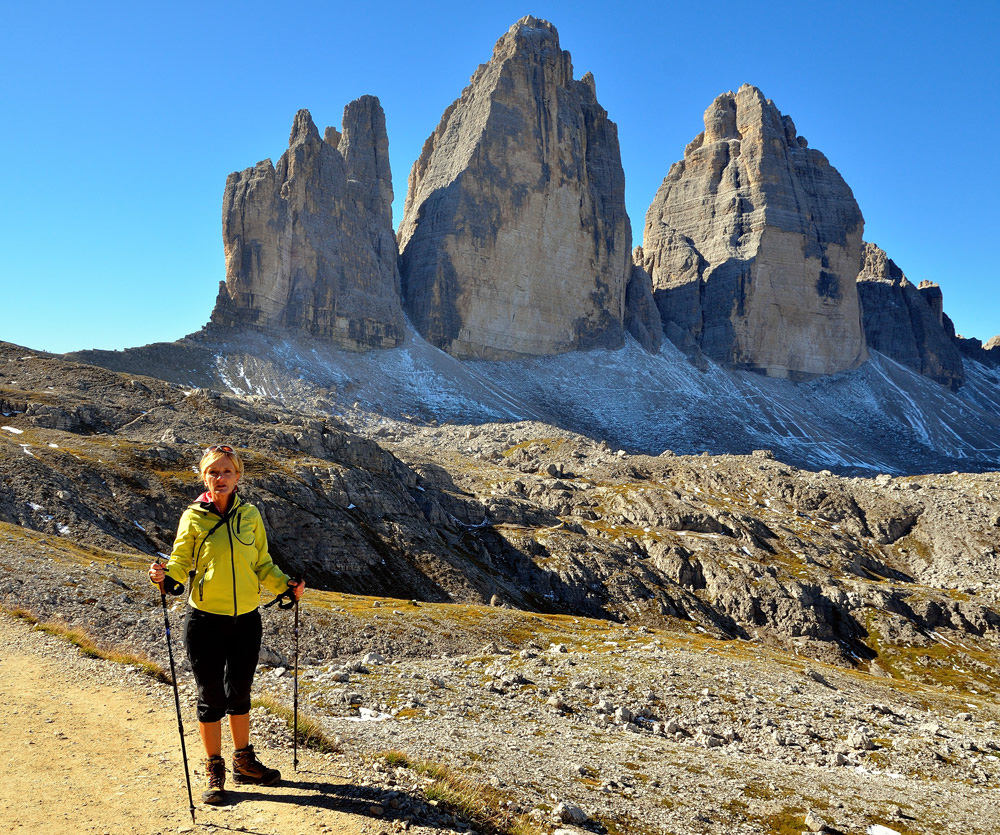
column 309, row 243
column 991, row 352
column 642, row 318
column 514, row 240
column 907, row 322
column 988, row 354
column 753, row 243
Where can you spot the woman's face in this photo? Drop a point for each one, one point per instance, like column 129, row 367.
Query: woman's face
column 221, row 478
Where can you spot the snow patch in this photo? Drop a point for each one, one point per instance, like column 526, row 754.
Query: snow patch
column 366, row 714
column 880, row 417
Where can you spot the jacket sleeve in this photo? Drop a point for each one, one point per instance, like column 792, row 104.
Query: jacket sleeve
column 270, row 576
column 182, row 554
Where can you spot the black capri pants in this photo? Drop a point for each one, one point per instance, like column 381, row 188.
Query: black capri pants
column 223, row 653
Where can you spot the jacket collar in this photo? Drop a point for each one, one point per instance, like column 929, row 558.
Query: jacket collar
column 205, row 502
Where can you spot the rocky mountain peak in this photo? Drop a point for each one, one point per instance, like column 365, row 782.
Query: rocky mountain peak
column 753, row 242
column 309, row 243
column 531, row 36
column 879, row 267
column 514, row 239
column 303, row 129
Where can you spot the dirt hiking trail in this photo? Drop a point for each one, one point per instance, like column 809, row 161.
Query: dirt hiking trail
column 89, row 749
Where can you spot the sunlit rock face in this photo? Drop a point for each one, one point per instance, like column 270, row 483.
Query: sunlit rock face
column 514, row 240
column 753, row 243
column 309, row 243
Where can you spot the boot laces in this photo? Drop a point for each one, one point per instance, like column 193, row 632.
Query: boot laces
column 247, row 756
column 216, row 773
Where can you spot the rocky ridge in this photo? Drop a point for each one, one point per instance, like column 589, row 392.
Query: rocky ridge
column 908, row 322
column 309, row 242
column 881, row 417
column 521, row 513
column 514, row 239
column 515, row 236
column 753, row 243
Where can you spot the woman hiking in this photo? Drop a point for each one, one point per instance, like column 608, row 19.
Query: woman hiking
column 221, row 547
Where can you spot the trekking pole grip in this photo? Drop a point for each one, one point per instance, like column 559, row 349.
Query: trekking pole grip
column 168, row 585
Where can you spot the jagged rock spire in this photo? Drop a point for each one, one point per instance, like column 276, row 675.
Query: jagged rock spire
column 309, row 243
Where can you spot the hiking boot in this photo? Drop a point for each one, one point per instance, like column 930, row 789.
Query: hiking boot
column 215, row 768
column 248, row 769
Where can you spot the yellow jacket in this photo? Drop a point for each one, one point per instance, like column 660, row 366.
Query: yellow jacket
column 225, row 560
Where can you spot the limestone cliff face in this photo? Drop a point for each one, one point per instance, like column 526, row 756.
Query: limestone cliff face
column 907, row 322
column 514, row 240
column 753, row 243
column 309, row 243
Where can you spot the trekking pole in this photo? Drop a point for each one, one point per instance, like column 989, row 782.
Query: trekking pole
column 173, row 676
column 295, row 695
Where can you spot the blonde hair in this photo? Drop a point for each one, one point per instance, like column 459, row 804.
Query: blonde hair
column 214, row 453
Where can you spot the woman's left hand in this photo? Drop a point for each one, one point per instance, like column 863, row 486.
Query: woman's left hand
column 298, row 588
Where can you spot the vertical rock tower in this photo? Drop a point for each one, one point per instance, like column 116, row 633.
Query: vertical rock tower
column 908, row 323
column 309, row 244
column 514, row 240
column 753, row 244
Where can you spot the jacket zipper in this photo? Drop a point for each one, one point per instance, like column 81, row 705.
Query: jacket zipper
column 232, row 561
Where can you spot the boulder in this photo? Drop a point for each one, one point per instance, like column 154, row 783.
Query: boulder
column 907, row 322
column 309, row 243
column 753, row 243
column 514, row 239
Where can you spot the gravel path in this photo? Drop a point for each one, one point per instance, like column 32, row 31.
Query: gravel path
column 92, row 747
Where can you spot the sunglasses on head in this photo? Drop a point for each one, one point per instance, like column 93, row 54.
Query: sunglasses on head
column 220, row 448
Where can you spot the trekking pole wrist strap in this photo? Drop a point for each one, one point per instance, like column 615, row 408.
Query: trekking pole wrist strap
column 286, row 599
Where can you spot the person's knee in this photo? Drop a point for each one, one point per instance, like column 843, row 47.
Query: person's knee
column 210, row 713
column 239, row 708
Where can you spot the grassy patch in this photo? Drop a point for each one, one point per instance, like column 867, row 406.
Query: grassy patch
column 483, row 806
column 311, row 734
column 90, row 647
column 624, row 824
column 72, row 552
column 789, row 821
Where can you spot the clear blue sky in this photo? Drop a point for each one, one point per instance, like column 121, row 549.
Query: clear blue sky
column 122, row 120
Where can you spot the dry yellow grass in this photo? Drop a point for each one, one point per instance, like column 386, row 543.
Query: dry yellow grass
column 90, row 646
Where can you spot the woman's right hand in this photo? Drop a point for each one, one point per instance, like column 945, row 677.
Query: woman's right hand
column 157, row 572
